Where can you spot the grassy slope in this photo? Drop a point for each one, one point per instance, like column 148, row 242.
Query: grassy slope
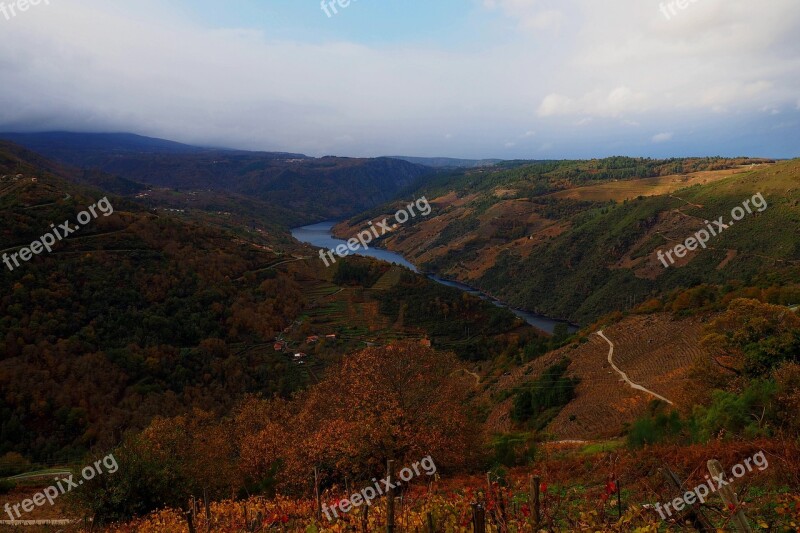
column 580, row 259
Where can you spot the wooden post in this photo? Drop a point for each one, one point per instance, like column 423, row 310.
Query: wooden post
column 190, row 520
column 431, row 528
column 739, row 519
column 695, row 512
column 535, row 484
column 317, row 494
column 390, row 497
column 478, row 518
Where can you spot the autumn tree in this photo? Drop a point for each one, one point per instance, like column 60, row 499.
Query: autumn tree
column 403, row 401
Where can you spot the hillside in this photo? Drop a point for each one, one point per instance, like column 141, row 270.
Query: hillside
column 146, row 313
column 315, row 189
column 577, row 240
column 655, row 351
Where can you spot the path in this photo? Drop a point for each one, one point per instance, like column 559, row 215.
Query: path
column 473, row 374
column 624, row 375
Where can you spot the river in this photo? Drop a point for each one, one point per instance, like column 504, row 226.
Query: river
column 319, row 235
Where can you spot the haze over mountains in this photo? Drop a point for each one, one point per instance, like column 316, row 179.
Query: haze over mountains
column 315, row 189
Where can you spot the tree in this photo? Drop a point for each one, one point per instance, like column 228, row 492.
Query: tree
column 403, row 402
column 756, row 335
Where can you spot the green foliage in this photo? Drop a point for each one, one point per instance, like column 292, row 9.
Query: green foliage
column 143, row 484
column 747, row 415
column 655, row 427
column 513, row 449
column 358, row 272
column 6, row 486
column 538, row 346
column 541, row 400
column 459, row 322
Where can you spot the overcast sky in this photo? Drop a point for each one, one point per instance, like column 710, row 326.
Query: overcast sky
column 463, row 78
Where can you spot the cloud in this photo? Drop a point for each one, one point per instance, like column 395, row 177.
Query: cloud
column 662, row 137
column 618, row 101
column 582, row 71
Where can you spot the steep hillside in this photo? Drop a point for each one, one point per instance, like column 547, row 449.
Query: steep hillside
column 139, row 313
column 573, row 242
column 655, row 351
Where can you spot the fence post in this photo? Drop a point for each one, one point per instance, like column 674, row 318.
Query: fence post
column 190, row 520
column 695, row 512
column 431, row 528
column 390, row 497
column 478, row 518
column 739, row 519
column 535, row 483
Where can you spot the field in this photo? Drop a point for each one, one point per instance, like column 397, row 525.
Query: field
column 619, row 191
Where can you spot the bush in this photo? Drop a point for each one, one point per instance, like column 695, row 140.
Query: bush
column 655, row 427
column 12, row 464
column 745, row 415
column 513, row 449
column 542, row 399
column 6, row 486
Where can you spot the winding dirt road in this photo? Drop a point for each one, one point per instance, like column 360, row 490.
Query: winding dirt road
column 624, row 375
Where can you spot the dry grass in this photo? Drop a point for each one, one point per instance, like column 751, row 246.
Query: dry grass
column 628, row 190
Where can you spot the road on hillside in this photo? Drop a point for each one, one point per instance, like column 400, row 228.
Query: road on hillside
column 624, row 375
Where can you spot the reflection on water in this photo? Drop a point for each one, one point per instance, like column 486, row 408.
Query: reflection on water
column 319, row 236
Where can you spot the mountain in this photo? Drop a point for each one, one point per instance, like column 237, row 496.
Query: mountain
column 448, row 162
column 315, row 189
column 144, row 312
column 580, row 239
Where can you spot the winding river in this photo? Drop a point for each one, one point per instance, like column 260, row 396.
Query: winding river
column 320, row 236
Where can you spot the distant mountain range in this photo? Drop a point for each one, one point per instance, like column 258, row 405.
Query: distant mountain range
column 448, row 162
column 314, row 188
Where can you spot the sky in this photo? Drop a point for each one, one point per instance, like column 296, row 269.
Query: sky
column 511, row 79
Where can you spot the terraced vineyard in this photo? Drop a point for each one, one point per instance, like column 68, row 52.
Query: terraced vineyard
column 654, row 350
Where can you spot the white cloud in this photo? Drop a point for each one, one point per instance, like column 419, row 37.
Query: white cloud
column 616, row 102
column 100, row 65
column 662, row 137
